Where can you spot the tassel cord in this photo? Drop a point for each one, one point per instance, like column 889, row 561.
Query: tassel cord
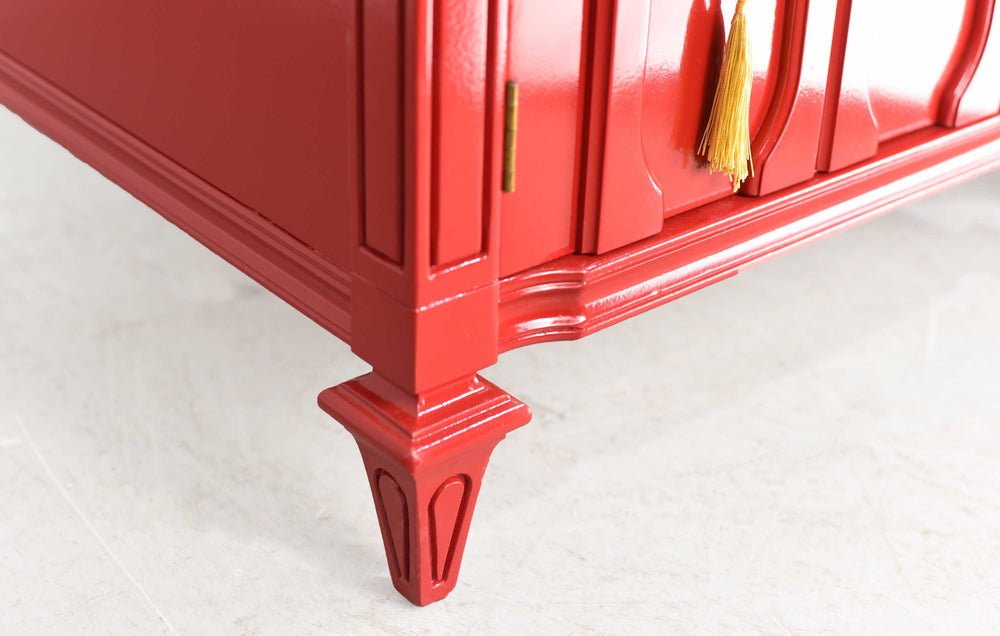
column 726, row 141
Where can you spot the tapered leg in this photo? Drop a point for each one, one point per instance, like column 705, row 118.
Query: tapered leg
column 425, row 456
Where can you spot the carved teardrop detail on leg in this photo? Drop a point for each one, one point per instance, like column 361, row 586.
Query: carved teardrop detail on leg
column 425, row 469
column 393, row 510
column 447, row 512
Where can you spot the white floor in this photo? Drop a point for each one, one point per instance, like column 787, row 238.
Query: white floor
column 812, row 447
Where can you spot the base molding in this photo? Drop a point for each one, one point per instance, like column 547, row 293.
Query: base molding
column 289, row 268
column 576, row 295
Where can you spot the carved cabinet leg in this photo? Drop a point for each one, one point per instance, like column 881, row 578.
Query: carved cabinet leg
column 425, row 456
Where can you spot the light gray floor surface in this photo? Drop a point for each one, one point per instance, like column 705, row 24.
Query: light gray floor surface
column 811, row 447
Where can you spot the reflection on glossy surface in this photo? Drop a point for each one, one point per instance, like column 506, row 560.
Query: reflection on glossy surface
column 686, row 41
column 910, row 54
column 544, row 58
column 697, row 75
column 972, row 91
column 850, row 131
column 785, row 146
column 893, row 84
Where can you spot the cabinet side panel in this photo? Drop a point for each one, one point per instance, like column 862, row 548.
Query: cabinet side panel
column 256, row 98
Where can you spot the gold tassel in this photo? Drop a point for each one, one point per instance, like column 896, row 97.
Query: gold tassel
column 726, row 142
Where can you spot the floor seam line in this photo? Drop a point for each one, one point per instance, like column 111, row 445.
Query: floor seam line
column 86, row 522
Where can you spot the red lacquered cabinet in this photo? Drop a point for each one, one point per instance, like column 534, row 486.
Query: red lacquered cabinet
column 438, row 181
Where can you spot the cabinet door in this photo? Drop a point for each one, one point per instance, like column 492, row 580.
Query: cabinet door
column 895, row 70
column 651, row 85
column 608, row 132
column 538, row 219
column 831, row 80
column 911, row 52
column 686, row 42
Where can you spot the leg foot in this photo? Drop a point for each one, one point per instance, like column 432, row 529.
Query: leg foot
column 425, row 457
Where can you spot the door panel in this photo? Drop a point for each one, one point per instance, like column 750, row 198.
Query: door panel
column 897, row 70
column 685, row 54
column 537, row 219
column 850, row 132
column 972, row 91
column 909, row 61
column 665, row 96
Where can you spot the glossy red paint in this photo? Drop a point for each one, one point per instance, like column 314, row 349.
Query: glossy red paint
column 461, row 30
column 348, row 156
column 425, row 456
column 577, row 295
column 620, row 200
column 784, row 149
column 650, row 78
column 973, row 90
column 911, row 59
column 850, row 132
column 544, row 59
column 257, row 100
column 684, row 54
column 383, row 80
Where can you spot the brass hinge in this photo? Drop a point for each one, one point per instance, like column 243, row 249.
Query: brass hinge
column 510, row 138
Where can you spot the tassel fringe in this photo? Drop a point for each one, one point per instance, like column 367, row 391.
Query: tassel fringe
column 726, row 142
